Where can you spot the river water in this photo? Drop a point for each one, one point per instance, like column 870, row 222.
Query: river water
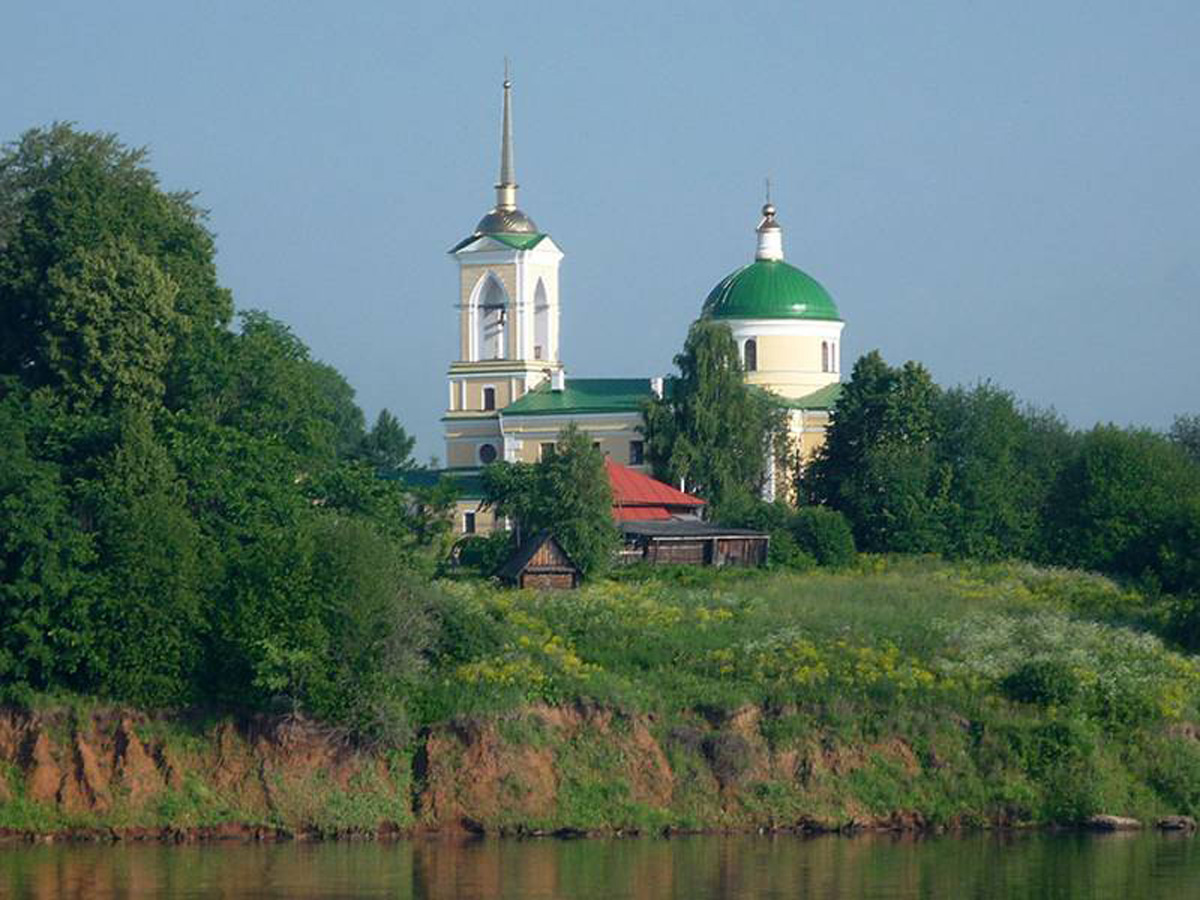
column 1067, row 866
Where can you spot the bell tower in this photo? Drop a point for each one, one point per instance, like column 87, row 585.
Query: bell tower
column 508, row 317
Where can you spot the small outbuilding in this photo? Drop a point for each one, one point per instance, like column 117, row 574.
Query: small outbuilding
column 541, row 562
column 683, row 542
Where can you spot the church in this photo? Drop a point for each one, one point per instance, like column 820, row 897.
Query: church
column 509, row 394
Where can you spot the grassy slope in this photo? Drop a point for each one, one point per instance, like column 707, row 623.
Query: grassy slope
column 958, row 693
column 1015, row 694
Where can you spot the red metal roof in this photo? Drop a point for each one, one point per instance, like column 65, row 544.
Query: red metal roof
column 651, row 499
column 640, row 513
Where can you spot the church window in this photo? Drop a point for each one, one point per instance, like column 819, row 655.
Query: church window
column 469, row 523
column 637, row 453
column 487, row 454
column 489, row 398
column 824, row 356
column 547, row 449
column 750, row 355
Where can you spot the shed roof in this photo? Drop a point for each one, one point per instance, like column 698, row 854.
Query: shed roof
column 525, row 553
column 685, row 528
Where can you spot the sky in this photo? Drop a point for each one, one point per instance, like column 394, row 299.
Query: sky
column 1001, row 191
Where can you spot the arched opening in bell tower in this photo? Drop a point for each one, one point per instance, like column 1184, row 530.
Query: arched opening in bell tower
column 541, row 322
column 489, row 315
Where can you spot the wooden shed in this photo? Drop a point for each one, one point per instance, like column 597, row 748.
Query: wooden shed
column 541, row 562
column 683, row 542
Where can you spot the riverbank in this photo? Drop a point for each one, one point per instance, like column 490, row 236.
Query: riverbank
column 905, row 695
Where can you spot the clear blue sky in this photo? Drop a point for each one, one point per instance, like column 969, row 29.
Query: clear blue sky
column 1004, row 190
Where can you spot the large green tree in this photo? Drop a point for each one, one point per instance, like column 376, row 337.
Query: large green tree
column 185, row 513
column 77, row 207
column 710, row 430
column 879, row 463
column 566, row 493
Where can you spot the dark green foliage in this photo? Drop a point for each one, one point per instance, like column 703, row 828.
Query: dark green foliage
column 485, row 554
column 824, row 534
column 966, row 473
column 879, row 463
column 183, row 517
column 566, row 493
column 1044, row 682
column 45, row 594
column 64, row 193
column 149, row 617
column 1185, row 432
column 387, row 446
column 993, row 496
column 711, row 430
column 1125, row 504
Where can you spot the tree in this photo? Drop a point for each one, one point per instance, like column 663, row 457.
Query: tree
column 46, row 587
column 110, row 327
column 1114, row 502
column 710, row 429
column 63, row 192
column 387, row 446
column 993, row 495
column 878, row 464
column 1185, row 431
column 151, row 609
column 566, row 493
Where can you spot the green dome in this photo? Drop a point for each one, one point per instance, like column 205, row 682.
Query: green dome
column 770, row 289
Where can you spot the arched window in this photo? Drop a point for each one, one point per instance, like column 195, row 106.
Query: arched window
column 824, row 356
column 541, row 322
column 489, row 312
column 489, row 398
column 750, row 355
column 487, row 454
column 834, row 362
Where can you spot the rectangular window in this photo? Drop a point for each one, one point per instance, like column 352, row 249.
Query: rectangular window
column 469, row 523
column 489, row 398
column 547, row 450
column 637, row 453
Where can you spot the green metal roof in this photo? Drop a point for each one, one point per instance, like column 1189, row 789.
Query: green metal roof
column 770, row 289
column 583, row 395
column 516, row 241
column 823, row 398
column 468, row 481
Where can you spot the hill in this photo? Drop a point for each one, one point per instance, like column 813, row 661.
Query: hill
column 904, row 693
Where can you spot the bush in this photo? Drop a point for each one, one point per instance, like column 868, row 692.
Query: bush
column 1046, row 682
column 824, row 534
column 485, row 554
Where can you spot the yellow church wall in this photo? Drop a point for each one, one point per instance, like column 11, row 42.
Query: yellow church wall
column 485, row 519
column 474, row 392
column 788, row 352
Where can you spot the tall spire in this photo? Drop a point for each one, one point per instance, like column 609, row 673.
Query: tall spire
column 506, row 189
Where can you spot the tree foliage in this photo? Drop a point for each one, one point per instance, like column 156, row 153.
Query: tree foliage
column 566, row 493
column 710, row 430
column 187, row 513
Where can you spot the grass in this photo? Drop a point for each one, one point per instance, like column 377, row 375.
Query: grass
column 967, row 693
column 1025, row 693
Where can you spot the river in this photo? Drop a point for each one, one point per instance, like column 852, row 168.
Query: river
column 975, row 867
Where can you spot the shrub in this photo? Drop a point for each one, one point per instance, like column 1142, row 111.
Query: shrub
column 824, row 534
column 485, row 554
column 1046, row 682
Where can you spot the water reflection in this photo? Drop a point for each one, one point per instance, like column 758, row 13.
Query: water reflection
column 695, row 868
